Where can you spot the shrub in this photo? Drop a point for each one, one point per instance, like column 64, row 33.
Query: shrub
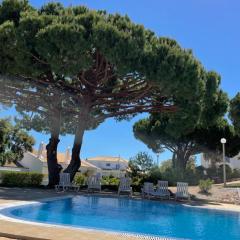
column 110, row 180
column 35, row 179
column 205, row 185
column 79, row 179
column 191, row 174
column 21, row 179
column 137, row 183
column 228, row 172
column 236, row 173
column 154, row 175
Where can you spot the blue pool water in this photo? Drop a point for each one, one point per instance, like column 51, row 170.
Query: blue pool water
column 133, row 216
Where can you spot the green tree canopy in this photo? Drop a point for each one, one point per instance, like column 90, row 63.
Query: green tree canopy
column 235, row 112
column 106, row 65
column 141, row 163
column 14, row 142
column 188, row 132
column 201, row 140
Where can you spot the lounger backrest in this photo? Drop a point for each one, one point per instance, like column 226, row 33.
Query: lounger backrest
column 182, row 189
column 148, row 187
column 162, row 186
column 64, row 179
column 94, row 180
column 98, row 176
column 125, row 183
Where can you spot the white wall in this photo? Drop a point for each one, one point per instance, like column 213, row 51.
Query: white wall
column 114, row 173
column 109, row 165
column 31, row 162
column 234, row 162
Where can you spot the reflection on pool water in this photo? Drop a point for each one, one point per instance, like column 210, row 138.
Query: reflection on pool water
column 133, row 216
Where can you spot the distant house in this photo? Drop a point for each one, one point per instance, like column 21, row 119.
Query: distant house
column 233, row 163
column 36, row 161
column 115, row 166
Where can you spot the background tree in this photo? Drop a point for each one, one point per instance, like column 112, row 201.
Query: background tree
column 14, row 142
column 186, row 133
column 235, row 112
column 140, row 164
column 110, row 66
column 200, row 140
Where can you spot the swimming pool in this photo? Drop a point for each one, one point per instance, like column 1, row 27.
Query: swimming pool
column 133, row 216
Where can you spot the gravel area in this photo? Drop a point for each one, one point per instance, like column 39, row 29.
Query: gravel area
column 216, row 194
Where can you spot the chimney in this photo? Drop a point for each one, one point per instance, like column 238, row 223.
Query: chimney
column 40, row 150
column 67, row 156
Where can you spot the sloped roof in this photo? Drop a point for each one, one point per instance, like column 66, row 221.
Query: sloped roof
column 87, row 164
column 107, row 159
column 61, row 159
column 60, row 156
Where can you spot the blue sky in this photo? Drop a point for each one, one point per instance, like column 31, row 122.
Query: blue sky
column 209, row 27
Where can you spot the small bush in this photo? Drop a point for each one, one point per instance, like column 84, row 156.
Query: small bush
column 205, row 185
column 79, row 179
column 154, row 175
column 110, row 180
column 21, row 179
column 236, row 173
column 36, row 179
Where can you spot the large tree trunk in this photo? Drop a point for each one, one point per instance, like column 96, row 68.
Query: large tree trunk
column 75, row 162
column 180, row 160
column 53, row 167
column 174, row 160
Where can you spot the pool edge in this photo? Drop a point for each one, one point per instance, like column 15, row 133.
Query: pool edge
column 17, row 204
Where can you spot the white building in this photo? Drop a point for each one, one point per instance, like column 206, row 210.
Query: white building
column 114, row 166
column 233, row 163
column 36, row 161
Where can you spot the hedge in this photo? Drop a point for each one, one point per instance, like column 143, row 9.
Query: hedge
column 21, row 179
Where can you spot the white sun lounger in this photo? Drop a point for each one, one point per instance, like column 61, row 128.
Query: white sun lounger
column 148, row 190
column 182, row 191
column 94, row 183
column 125, row 186
column 65, row 183
column 162, row 190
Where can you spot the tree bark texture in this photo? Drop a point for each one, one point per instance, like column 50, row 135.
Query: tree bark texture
column 53, row 167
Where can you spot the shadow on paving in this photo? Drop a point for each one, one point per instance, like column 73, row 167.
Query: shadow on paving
column 23, row 194
column 31, row 194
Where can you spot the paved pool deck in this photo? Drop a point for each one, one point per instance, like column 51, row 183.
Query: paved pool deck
column 10, row 229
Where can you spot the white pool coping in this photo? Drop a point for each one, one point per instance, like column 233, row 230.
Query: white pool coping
column 13, row 205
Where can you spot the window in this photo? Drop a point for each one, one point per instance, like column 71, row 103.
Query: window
column 108, row 164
